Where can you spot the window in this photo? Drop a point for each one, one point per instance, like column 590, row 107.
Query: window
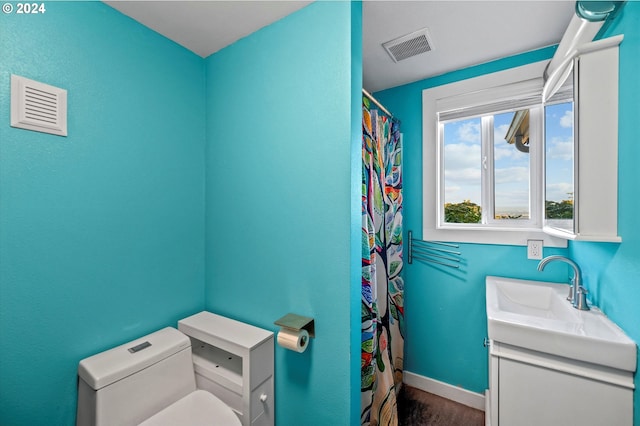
column 482, row 159
column 488, row 170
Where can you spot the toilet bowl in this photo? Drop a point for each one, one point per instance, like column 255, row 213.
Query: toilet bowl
column 149, row 381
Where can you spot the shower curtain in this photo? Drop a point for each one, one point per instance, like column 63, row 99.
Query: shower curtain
column 382, row 287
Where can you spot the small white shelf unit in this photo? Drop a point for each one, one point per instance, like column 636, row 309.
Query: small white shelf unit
column 234, row 361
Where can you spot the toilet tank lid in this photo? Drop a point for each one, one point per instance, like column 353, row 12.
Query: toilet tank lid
column 114, row 364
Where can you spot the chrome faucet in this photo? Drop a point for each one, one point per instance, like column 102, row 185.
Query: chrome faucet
column 577, row 294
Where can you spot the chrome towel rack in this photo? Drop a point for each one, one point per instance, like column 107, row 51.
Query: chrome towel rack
column 433, row 252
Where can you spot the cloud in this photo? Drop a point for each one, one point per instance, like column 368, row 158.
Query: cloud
column 559, row 191
column 509, row 152
column 566, row 120
column 560, row 149
column 469, row 131
column 511, row 190
column 460, row 156
column 462, row 184
column 511, row 174
column 499, row 134
column 463, row 176
column 462, row 161
column 457, row 194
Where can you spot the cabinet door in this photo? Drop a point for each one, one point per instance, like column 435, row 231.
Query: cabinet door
column 534, row 396
column 581, row 167
column 494, row 396
column 597, row 145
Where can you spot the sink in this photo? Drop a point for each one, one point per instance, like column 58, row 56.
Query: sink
column 536, row 315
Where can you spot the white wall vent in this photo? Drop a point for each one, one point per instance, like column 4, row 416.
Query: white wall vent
column 409, row 45
column 38, row 106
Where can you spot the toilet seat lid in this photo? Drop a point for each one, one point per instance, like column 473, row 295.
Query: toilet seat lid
column 199, row 408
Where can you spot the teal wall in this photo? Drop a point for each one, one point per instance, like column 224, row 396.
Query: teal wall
column 445, row 313
column 611, row 271
column 279, row 191
column 106, row 235
column 101, row 232
column 356, row 209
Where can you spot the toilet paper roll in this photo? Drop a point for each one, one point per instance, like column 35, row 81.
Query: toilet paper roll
column 295, row 340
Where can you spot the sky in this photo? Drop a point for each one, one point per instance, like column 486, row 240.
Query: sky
column 462, row 158
column 559, row 151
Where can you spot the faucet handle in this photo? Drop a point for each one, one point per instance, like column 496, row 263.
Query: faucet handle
column 570, row 296
column 582, row 299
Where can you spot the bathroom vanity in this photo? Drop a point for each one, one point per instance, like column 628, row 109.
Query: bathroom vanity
column 534, row 388
column 551, row 364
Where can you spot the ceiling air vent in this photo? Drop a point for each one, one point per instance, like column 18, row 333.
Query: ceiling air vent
column 409, row 45
column 38, row 106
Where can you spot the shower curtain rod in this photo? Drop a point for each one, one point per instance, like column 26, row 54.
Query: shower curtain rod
column 375, row 101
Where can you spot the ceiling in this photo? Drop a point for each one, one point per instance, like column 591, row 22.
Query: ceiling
column 462, row 33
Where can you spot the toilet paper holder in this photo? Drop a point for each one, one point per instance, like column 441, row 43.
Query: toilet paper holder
column 297, row 323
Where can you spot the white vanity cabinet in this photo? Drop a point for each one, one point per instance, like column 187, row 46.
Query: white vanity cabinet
column 595, row 146
column 530, row 388
column 234, row 361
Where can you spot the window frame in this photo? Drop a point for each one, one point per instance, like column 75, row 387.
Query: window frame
column 553, row 226
column 474, row 94
column 487, row 164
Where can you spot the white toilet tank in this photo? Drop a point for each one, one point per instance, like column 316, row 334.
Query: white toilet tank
column 128, row 384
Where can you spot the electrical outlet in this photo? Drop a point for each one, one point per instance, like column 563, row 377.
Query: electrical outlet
column 534, row 249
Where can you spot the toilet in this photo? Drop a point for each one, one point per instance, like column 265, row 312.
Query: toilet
column 149, row 382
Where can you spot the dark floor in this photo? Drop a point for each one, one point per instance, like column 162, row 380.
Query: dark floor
column 419, row 408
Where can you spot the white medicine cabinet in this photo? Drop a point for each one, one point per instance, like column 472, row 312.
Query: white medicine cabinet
column 589, row 160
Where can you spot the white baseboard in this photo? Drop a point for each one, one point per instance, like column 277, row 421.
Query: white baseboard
column 445, row 390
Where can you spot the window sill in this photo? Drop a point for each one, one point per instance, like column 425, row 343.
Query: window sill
column 601, row 237
column 500, row 236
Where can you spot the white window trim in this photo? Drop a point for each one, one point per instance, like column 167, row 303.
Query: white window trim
column 432, row 100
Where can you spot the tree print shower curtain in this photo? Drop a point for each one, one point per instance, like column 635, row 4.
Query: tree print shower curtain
column 382, row 287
